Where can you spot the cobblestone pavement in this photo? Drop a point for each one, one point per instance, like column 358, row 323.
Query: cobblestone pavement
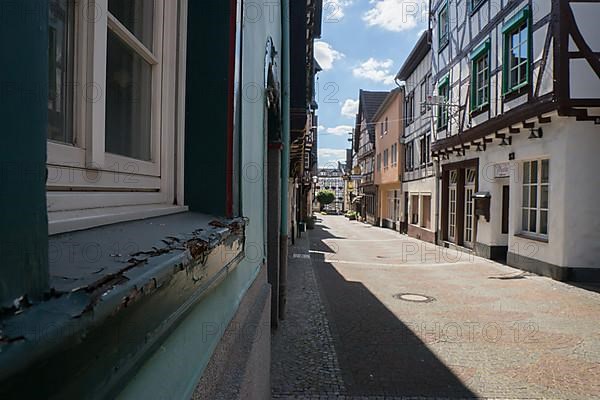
column 303, row 356
column 485, row 330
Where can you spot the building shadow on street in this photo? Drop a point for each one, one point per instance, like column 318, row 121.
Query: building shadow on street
column 379, row 355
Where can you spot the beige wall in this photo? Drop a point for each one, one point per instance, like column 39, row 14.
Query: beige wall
column 393, row 112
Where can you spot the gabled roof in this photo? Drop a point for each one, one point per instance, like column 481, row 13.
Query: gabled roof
column 417, row 54
column 389, row 99
column 369, row 103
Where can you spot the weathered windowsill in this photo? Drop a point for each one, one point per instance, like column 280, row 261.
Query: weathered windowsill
column 116, row 292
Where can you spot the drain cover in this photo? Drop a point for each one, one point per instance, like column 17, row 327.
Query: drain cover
column 414, row 298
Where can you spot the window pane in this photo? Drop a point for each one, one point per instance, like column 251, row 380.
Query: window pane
column 545, row 170
column 544, row 200
column 544, row 222
column 60, row 70
column 526, row 167
column 533, row 197
column 137, row 16
column 522, row 73
column 514, row 40
column 525, row 225
column 514, row 77
column 128, row 101
column 532, row 221
column 524, row 38
column 534, row 172
column 525, row 196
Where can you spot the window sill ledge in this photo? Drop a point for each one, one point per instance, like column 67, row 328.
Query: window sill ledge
column 111, row 309
column 531, row 237
column 70, row 221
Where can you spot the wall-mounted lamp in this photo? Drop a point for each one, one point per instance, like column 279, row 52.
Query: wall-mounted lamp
column 481, row 146
column 536, row 134
column 506, row 141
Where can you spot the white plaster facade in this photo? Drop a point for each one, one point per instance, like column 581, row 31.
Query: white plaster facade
column 550, row 117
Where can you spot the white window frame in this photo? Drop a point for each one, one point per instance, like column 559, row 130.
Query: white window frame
column 84, row 176
column 469, row 211
column 538, row 184
column 452, row 204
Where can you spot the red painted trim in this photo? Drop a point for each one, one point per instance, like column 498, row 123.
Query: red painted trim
column 230, row 109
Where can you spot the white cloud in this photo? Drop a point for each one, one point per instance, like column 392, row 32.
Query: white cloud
column 340, row 130
column 375, row 70
column 326, row 55
column 350, row 108
column 331, row 156
column 333, row 10
column 396, row 15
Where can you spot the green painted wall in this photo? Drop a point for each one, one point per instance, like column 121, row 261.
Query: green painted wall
column 173, row 371
column 23, row 112
column 207, row 106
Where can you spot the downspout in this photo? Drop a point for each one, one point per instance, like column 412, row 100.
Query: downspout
column 285, row 154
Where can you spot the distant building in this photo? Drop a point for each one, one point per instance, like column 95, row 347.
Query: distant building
column 388, row 170
column 364, row 150
column 333, row 179
column 419, row 178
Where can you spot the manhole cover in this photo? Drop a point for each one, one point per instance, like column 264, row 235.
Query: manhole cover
column 414, row 298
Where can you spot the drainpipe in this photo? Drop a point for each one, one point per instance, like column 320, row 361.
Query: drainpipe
column 285, row 154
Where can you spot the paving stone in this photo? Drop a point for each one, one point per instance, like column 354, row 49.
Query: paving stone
column 347, row 336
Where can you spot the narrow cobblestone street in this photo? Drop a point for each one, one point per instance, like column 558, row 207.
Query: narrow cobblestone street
column 375, row 315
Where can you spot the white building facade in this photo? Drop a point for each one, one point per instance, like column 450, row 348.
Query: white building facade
column 333, row 179
column 516, row 129
column 419, row 177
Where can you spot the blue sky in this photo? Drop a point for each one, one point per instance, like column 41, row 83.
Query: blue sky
column 363, row 45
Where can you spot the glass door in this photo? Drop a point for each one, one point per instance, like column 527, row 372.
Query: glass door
column 452, row 206
column 469, row 233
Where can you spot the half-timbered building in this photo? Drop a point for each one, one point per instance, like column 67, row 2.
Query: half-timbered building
column 364, row 148
column 517, row 114
column 418, row 183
